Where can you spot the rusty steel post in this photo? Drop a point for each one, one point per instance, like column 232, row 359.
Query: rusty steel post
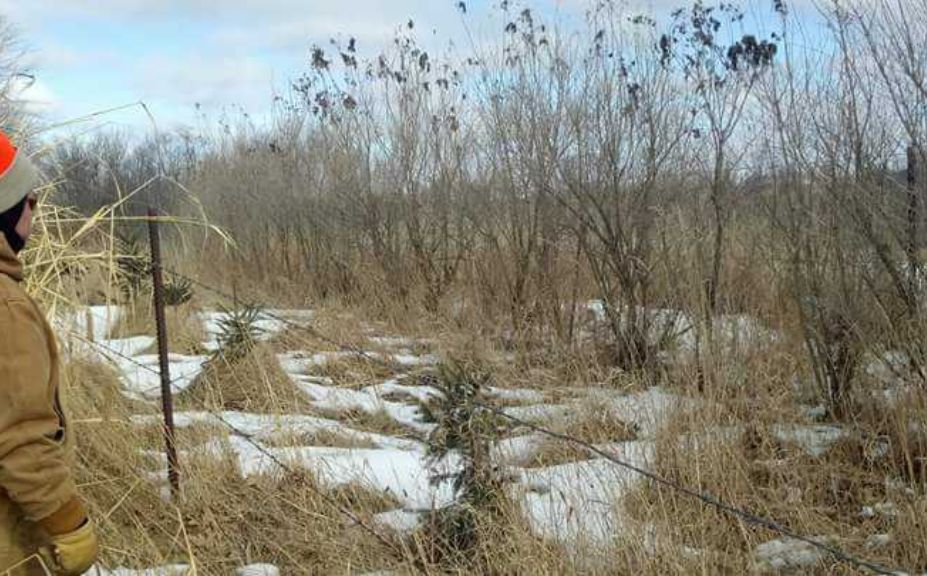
column 167, row 397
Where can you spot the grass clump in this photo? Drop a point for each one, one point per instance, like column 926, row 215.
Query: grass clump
column 592, row 421
column 355, row 370
column 95, row 390
column 822, row 489
column 377, row 421
column 243, row 374
column 596, row 422
column 323, row 438
column 251, row 382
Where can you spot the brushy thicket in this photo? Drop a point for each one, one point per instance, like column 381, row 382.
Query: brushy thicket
column 646, row 164
column 692, row 172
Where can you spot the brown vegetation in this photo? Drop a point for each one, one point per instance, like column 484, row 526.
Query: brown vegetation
column 746, row 214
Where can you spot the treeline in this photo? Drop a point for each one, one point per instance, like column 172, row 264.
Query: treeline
column 693, row 165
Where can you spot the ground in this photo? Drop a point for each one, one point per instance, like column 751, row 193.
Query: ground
column 356, row 427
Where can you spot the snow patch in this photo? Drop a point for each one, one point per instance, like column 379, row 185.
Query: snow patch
column 267, row 427
column 392, row 386
column 648, row 410
column 877, row 541
column 516, row 394
column 581, row 501
column 393, row 341
column 270, row 324
column 813, row 440
column 539, row 413
column 787, row 555
column 141, row 376
column 517, row 450
column 258, row 570
column 404, row 475
column 94, row 322
column 402, row 521
column 367, row 400
column 132, row 346
column 296, row 363
column 884, row 509
column 412, row 360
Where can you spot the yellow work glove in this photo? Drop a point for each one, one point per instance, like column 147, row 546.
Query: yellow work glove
column 73, row 553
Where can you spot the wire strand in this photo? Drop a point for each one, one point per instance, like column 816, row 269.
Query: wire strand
column 248, row 438
column 708, row 499
column 745, row 515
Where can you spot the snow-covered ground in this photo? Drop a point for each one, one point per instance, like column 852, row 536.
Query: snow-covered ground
column 570, row 503
column 735, row 331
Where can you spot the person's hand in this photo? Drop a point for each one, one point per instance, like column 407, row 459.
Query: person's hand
column 73, row 553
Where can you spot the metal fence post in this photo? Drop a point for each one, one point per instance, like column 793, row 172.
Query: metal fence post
column 167, row 398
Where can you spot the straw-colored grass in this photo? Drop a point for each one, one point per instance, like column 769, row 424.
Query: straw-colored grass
column 254, row 383
column 323, row 438
column 378, row 421
column 593, row 422
column 185, row 330
column 355, row 370
column 99, row 386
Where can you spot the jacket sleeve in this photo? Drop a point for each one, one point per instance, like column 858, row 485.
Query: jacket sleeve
column 34, row 469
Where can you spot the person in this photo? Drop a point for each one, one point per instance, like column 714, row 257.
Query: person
column 44, row 526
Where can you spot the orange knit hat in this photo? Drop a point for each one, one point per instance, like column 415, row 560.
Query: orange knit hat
column 18, row 176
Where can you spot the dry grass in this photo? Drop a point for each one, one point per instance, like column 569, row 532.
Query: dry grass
column 222, row 520
column 292, row 338
column 363, row 500
column 593, row 422
column 818, row 496
column 184, row 326
column 526, row 266
column 136, row 319
column 100, row 389
column 355, row 371
column 323, row 438
column 556, row 452
column 378, row 422
column 734, row 454
column 255, row 383
column 503, row 544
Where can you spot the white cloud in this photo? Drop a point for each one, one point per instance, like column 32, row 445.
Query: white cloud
column 248, row 11
column 235, row 51
column 246, row 81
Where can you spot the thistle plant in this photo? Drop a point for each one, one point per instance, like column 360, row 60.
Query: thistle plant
column 239, row 332
column 178, row 291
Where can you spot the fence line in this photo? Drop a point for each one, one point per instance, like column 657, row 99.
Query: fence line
column 257, row 445
column 707, row 499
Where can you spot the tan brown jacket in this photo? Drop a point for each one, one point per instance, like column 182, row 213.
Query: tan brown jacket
column 37, row 492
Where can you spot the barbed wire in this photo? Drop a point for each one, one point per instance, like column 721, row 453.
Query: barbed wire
column 287, row 321
column 248, row 438
column 112, row 352
column 707, row 499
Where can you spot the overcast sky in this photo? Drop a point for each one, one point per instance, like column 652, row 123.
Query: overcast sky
column 91, row 55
